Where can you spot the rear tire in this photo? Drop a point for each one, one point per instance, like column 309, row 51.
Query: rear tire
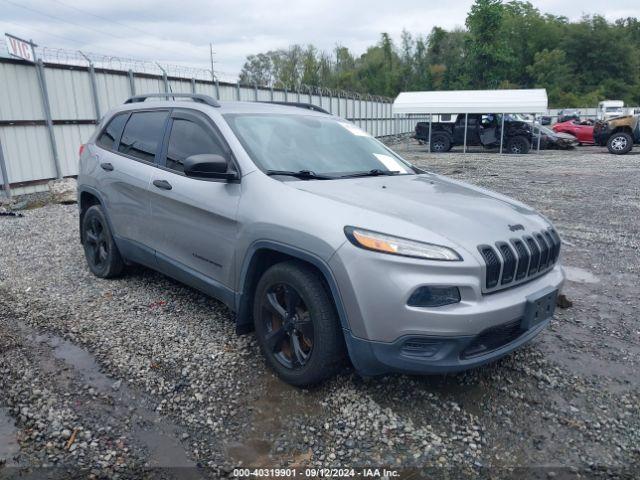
column 296, row 324
column 518, row 145
column 620, row 143
column 100, row 250
column 440, row 143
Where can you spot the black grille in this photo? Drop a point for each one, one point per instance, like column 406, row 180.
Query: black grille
column 509, row 262
column 493, row 338
column 544, row 252
column 493, row 265
column 535, row 255
column 556, row 244
column 521, row 258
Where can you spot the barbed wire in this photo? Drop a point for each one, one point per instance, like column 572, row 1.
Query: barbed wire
column 62, row 56
column 112, row 62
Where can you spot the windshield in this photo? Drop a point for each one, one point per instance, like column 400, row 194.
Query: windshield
column 323, row 145
column 613, row 109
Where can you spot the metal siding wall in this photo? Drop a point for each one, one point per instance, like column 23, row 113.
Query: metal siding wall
column 247, row 94
column 29, row 189
column 206, row 89
column 113, row 90
column 69, row 94
column 148, row 85
column 179, row 86
column 20, row 97
column 264, row 95
column 27, row 153
column 228, row 92
column 68, row 140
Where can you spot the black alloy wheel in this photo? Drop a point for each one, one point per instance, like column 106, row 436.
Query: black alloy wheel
column 96, row 243
column 297, row 325
column 100, row 250
column 288, row 325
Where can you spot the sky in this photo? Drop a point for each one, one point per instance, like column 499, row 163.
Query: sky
column 179, row 32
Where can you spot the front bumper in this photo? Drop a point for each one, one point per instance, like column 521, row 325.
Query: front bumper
column 376, row 358
column 374, row 289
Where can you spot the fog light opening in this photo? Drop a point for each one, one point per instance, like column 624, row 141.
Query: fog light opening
column 419, row 347
column 434, row 296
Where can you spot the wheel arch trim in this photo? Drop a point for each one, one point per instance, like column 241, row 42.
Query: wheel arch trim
column 86, row 189
column 242, row 300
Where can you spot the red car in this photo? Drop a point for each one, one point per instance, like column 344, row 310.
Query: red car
column 583, row 131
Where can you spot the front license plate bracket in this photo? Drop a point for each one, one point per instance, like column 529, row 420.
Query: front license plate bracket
column 539, row 307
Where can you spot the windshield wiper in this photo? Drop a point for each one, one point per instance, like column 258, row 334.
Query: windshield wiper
column 302, row 174
column 376, row 172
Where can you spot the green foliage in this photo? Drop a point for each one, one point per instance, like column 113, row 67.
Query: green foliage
column 506, row 44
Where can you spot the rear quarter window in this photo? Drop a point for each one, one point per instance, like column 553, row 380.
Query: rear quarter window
column 110, row 134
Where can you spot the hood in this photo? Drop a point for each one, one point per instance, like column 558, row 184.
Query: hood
column 461, row 213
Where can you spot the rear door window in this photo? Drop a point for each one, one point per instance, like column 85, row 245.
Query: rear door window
column 190, row 138
column 112, row 131
column 142, row 135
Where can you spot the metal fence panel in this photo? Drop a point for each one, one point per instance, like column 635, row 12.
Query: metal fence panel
column 27, row 149
column 148, row 85
column 113, row 90
column 19, row 93
column 247, row 94
column 69, row 94
column 68, row 140
column 180, row 86
column 206, row 89
column 27, row 153
column 228, row 92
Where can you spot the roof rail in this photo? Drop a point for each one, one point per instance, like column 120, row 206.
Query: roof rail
column 308, row 106
column 196, row 97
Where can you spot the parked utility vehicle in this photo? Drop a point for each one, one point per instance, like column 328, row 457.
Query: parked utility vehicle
column 610, row 108
column 481, row 130
column 316, row 235
column 618, row 134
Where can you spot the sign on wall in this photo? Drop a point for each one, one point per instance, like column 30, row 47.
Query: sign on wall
column 20, row 48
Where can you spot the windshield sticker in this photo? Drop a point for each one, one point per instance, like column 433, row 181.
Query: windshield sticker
column 391, row 163
column 355, row 130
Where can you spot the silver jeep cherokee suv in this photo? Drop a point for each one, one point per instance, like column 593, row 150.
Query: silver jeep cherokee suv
column 316, row 235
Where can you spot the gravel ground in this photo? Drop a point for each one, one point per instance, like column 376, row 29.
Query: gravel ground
column 141, row 376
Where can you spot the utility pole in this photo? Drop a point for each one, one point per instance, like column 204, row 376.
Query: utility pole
column 213, row 75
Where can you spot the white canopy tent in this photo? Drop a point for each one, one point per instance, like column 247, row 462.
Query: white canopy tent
column 472, row 101
column 529, row 101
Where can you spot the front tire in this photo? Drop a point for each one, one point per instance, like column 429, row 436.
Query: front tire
column 518, row 145
column 296, row 324
column 100, row 250
column 440, row 143
column 620, row 143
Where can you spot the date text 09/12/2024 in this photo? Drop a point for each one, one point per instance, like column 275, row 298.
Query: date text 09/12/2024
column 316, row 473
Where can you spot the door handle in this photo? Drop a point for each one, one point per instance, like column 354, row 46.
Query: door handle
column 162, row 184
column 106, row 166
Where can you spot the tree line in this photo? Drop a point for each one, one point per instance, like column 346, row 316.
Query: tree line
column 503, row 45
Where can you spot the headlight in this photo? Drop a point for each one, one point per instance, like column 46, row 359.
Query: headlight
column 380, row 242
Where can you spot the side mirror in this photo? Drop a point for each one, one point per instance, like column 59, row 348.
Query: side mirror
column 207, row 166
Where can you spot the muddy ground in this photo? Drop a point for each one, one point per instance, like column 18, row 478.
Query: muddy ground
column 141, row 376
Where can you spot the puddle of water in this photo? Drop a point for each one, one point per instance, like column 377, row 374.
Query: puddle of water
column 8, row 439
column 158, row 435
column 270, row 411
column 580, row 275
